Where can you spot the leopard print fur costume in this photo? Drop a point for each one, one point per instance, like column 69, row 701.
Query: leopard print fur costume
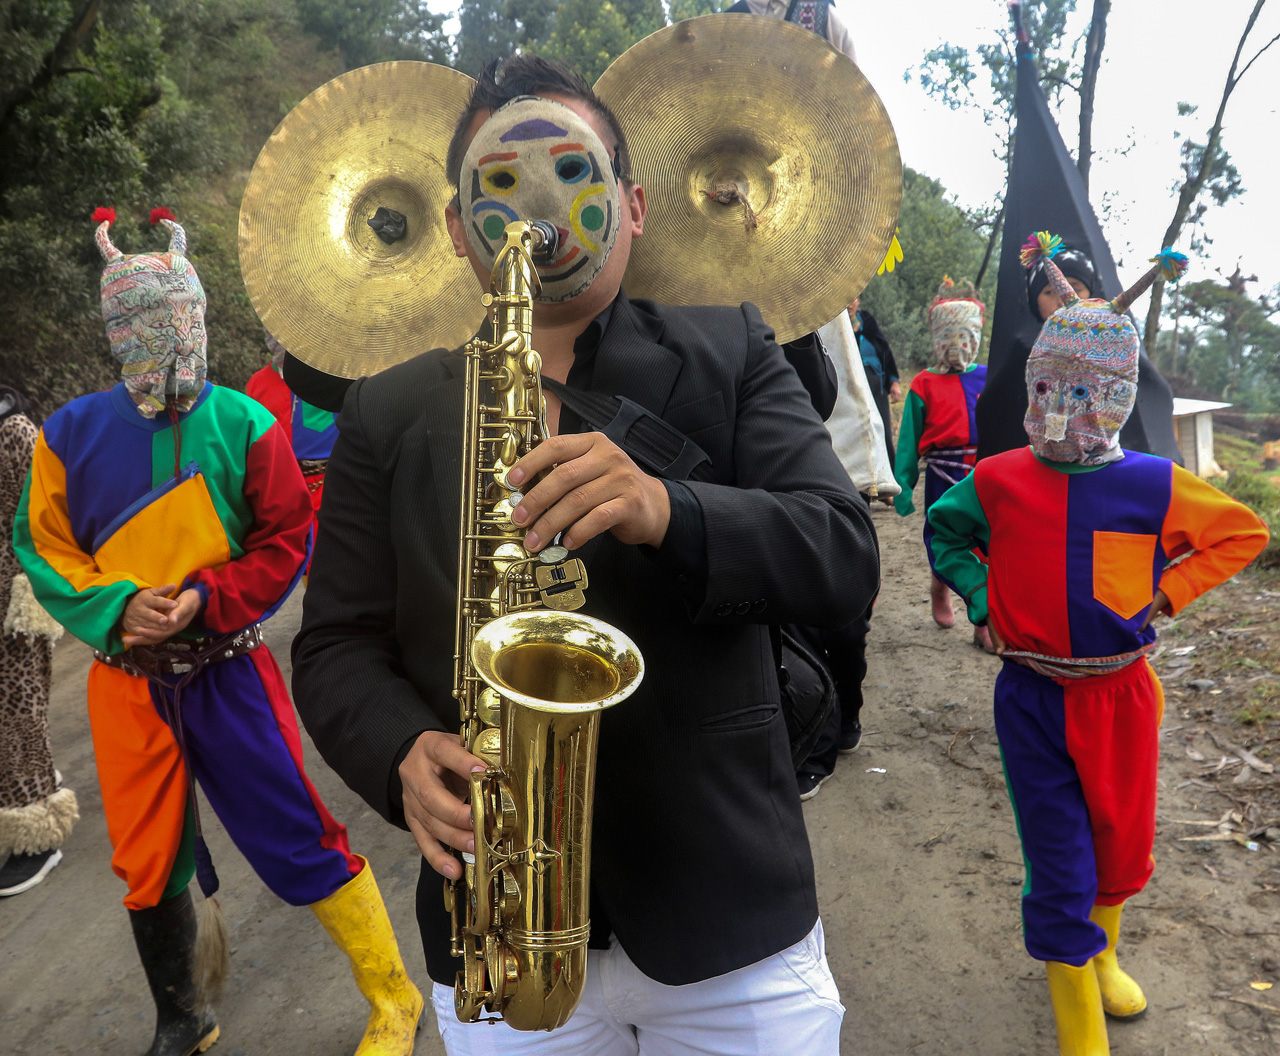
column 35, row 813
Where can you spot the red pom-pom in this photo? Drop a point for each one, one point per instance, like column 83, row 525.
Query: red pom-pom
column 161, row 213
column 101, row 213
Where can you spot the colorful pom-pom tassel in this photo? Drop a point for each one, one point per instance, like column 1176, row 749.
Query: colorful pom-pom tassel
column 103, row 213
column 1173, row 265
column 161, row 213
column 1039, row 246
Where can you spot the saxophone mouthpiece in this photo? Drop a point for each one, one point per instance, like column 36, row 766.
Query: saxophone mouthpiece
column 545, row 241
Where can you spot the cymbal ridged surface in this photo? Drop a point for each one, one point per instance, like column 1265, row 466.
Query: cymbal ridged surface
column 320, row 279
column 773, row 109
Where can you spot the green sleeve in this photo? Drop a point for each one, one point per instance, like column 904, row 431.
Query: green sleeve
column 906, row 463
column 959, row 524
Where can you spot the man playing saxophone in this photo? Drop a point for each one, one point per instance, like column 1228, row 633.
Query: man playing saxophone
column 702, row 891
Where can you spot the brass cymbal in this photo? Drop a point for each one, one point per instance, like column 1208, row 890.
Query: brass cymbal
column 728, row 105
column 336, row 295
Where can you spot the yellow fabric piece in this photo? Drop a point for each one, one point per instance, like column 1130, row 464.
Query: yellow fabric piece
column 1077, row 1007
column 1122, row 564
column 169, row 539
column 1121, row 996
column 356, row 919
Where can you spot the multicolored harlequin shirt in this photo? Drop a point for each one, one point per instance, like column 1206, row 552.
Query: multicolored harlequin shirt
column 938, row 415
column 111, row 507
column 1076, row 553
column 312, row 431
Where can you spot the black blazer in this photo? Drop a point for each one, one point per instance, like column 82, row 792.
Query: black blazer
column 700, row 861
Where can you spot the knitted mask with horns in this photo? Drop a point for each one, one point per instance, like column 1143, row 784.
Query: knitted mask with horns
column 153, row 307
column 1082, row 373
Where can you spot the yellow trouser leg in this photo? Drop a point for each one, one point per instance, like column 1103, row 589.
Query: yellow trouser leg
column 1077, row 1006
column 1121, row 996
column 356, row 919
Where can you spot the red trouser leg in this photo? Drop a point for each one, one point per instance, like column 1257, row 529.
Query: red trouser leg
column 1112, row 733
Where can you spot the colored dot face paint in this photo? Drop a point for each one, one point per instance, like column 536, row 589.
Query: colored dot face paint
column 535, row 159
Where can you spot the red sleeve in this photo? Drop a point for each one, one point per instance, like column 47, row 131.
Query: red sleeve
column 251, row 587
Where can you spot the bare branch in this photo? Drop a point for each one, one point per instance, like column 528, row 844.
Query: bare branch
column 1256, row 57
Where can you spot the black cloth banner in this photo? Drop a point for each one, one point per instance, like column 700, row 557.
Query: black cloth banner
column 1046, row 193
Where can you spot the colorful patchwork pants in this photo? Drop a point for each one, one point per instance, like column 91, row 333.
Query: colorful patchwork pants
column 244, row 748
column 1080, row 763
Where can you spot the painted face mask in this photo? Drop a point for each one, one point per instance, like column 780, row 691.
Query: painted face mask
column 535, row 159
column 153, row 306
column 1082, row 373
column 955, row 326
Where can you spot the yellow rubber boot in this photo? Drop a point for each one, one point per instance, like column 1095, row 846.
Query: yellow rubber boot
column 356, row 919
column 1077, row 1006
column 1121, row 996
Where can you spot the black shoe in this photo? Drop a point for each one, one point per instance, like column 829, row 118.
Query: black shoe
column 810, row 784
column 850, row 738
column 166, row 939
column 23, row 871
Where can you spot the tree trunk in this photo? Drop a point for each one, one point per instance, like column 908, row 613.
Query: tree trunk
column 1194, row 184
column 1089, row 83
column 997, row 225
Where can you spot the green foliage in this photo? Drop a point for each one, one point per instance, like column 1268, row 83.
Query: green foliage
column 682, row 9
column 487, row 32
column 1227, row 342
column 588, row 35
column 368, row 31
column 938, row 238
column 161, row 103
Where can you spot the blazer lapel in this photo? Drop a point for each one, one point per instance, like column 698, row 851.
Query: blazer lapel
column 631, row 363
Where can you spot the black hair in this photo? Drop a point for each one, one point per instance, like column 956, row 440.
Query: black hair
column 1073, row 263
column 505, row 79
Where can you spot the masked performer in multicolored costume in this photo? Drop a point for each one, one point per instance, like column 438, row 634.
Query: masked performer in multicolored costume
column 162, row 522
column 938, row 426
column 311, row 430
column 1078, row 535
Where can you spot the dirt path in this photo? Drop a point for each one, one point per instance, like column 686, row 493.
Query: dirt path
column 919, row 873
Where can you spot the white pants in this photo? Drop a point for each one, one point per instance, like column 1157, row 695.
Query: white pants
column 785, row 1005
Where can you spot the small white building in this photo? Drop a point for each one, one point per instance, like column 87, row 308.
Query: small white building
column 1193, row 426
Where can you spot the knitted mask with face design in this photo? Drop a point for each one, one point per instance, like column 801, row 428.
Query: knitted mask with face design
column 1082, row 373
column 535, row 159
column 153, row 307
column 955, row 326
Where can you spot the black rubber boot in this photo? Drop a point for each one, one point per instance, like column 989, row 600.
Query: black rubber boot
column 166, row 940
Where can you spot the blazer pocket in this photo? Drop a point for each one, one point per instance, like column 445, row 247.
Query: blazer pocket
column 1122, row 570
column 699, row 414
column 750, row 718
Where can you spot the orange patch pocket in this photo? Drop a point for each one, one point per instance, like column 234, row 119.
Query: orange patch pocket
column 1123, row 565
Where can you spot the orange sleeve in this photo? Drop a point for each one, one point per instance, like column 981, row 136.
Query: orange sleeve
column 1219, row 535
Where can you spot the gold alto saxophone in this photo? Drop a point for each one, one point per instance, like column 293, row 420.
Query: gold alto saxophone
column 531, row 678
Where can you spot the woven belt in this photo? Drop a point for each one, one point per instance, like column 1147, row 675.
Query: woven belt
column 313, row 470
column 180, row 658
column 943, row 459
column 1075, row 667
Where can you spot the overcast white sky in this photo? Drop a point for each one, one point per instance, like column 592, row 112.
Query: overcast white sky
column 1158, row 52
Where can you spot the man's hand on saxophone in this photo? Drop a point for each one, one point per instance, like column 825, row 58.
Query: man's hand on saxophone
column 594, row 487
column 434, row 778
